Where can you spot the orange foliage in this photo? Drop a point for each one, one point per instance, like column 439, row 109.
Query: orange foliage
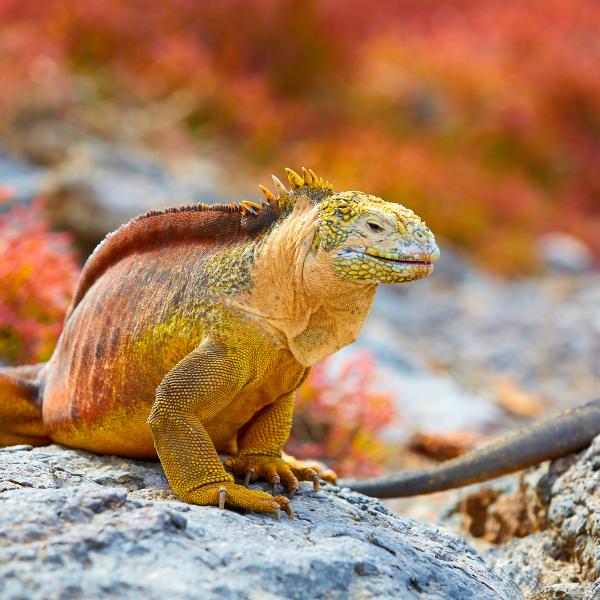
column 38, row 272
column 482, row 115
column 339, row 418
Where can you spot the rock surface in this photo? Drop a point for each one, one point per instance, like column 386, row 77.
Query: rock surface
column 79, row 525
column 547, row 527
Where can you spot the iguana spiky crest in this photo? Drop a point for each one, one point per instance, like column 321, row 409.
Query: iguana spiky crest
column 212, row 223
column 309, row 183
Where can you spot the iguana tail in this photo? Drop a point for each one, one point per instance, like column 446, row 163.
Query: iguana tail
column 20, row 406
column 569, row 431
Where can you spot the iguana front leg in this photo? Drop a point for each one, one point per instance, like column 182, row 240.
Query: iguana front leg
column 261, row 455
column 197, row 389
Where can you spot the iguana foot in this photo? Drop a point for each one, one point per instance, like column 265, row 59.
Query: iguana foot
column 273, row 469
column 287, row 470
column 310, row 470
column 228, row 494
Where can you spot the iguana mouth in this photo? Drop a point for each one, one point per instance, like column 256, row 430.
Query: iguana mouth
column 395, row 258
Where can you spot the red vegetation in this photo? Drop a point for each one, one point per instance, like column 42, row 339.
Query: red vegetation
column 38, row 271
column 482, row 115
column 339, row 418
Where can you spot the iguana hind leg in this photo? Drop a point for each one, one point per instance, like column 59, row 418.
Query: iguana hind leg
column 261, row 453
column 20, row 408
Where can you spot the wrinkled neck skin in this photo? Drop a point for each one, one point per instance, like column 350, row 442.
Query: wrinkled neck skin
column 296, row 295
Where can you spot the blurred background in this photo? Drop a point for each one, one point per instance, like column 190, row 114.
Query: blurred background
column 481, row 115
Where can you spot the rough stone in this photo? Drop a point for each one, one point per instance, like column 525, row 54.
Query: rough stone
column 564, row 253
column 550, row 523
column 79, row 525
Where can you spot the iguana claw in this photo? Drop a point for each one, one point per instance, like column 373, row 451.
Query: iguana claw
column 276, row 482
column 284, row 471
column 316, row 482
column 268, row 468
column 232, row 495
column 310, row 470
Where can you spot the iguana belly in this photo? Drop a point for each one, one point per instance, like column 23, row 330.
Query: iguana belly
column 123, row 430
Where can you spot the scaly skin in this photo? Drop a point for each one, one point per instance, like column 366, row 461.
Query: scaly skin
column 191, row 329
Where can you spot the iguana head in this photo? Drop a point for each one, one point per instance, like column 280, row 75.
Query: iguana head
column 369, row 240
column 360, row 237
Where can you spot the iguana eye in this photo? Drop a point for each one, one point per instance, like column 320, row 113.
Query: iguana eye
column 374, row 227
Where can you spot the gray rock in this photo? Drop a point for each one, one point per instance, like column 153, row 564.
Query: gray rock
column 559, row 504
column 79, row 525
column 564, row 253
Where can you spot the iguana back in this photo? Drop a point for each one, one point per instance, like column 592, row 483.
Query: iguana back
column 141, row 305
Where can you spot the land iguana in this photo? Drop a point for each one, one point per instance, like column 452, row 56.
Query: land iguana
column 192, row 327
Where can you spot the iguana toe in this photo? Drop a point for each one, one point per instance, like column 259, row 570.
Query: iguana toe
column 231, row 495
column 268, row 468
column 310, row 470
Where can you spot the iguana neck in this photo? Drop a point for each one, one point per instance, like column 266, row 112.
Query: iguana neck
column 298, row 296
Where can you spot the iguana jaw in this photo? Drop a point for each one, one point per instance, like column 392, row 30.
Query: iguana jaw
column 372, row 264
column 296, row 297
